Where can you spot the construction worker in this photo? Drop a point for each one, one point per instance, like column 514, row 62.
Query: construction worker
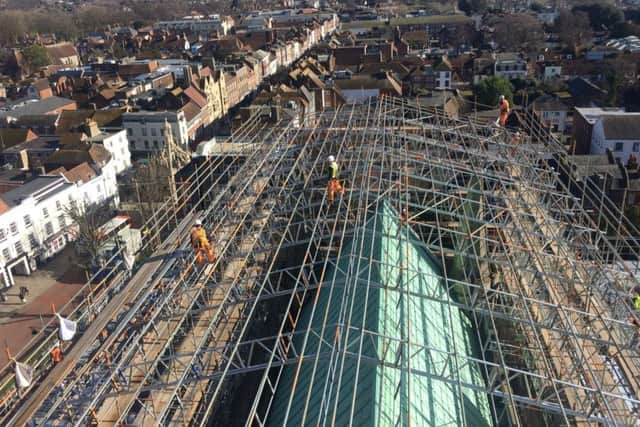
column 200, row 243
column 56, row 354
column 334, row 183
column 504, row 111
column 517, row 137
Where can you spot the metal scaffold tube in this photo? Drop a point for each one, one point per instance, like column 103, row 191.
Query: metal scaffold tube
column 462, row 276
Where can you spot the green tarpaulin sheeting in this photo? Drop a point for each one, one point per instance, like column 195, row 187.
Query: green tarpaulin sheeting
column 380, row 285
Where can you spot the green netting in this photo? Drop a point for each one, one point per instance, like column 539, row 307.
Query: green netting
column 387, row 253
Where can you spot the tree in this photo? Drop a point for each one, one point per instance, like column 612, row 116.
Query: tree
column 472, row 6
column 87, row 222
column 601, row 15
column 624, row 29
column 519, row 32
column 35, row 57
column 574, row 28
column 631, row 98
column 488, row 91
column 12, row 26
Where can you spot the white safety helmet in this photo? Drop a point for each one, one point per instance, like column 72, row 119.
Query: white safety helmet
column 198, row 222
column 501, row 97
column 331, row 159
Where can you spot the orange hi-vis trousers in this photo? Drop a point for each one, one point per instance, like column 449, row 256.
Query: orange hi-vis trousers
column 334, row 185
column 204, row 251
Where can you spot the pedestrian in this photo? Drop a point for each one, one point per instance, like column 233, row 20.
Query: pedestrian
column 23, row 294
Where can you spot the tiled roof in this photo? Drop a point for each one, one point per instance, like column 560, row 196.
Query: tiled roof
column 61, row 50
column 196, row 96
column 81, row 173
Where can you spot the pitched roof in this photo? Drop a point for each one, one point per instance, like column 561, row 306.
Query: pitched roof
column 81, row 173
column 549, row 103
column 46, row 120
column 42, row 106
column 61, row 50
column 622, row 126
column 191, row 110
column 75, row 155
column 41, row 188
column 196, row 96
column 70, row 120
column 41, row 84
column 387, row 247
column 10, row 137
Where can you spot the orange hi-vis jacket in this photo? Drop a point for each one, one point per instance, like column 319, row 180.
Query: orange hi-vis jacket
column 199, row 238
column 504, row 106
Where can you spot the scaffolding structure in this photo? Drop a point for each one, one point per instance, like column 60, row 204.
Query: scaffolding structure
column 541, row 266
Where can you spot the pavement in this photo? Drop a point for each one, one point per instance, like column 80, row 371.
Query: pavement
column 54, row 283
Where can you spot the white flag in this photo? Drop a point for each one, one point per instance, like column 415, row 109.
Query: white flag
column 67, row 328
column 24, row 375
column 129, row 260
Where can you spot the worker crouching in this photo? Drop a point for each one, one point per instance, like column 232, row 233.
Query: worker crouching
column 200, row 243
column 334, row 184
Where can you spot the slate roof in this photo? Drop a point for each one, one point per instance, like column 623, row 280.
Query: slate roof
column 621, row 127
column 42, row 106
column 37, row 188
column 10, row 137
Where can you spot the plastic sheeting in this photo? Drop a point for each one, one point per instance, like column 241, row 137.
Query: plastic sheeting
column 24, row 375
column 67, row 328
column 129, row 260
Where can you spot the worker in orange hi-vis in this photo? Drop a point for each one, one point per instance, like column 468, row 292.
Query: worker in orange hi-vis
column 504, row 110
column 200, row 243
column 56, row 354
column 334, row 184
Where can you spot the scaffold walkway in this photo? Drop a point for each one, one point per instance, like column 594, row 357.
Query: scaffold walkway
column 459, row 263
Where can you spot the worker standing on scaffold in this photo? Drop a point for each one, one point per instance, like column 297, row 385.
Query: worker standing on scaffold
column 200, row 243
column 334, row 184
column 504, row 111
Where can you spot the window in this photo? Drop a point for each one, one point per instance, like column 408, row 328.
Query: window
column 130, row 132
column 62, row 221
column 619, row 146
column 155, row 145
column 6, row 254
column 48, row 228
column 32, row 241
column 146, row 145
column 58, row 205
column 3, row 235
column 144, row 131
column 45, row 212
column 19, row 248
column 27, row 220
column 636, row 146
column 153, row 131
column 14, row 228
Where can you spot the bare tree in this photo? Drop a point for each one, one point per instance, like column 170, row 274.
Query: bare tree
column 85, row 224
column 519, row 32
column 574, row 28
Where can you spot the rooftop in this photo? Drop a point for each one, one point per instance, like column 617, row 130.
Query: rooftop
column 40, row 188
column 34, row 107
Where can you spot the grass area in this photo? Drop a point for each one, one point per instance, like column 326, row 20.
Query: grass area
column 417, row 20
